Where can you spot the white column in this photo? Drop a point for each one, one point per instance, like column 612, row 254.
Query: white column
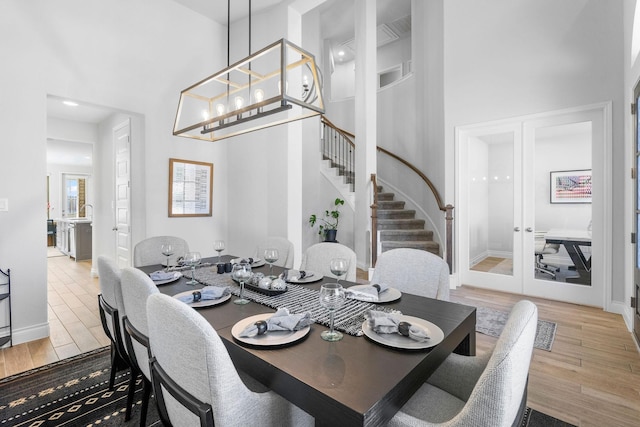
column 294, row 154
column 366, row 122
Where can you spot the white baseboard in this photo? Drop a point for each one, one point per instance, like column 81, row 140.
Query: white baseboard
column 624, row 311
column 31, row 333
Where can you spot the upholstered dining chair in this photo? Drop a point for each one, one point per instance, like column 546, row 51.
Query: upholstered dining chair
column 108, row 303
column 136, row 288
column 149, row 251
column 489, row 390
column 413, row 271
column 317, row 258
column 194, row 379
column 284, row 247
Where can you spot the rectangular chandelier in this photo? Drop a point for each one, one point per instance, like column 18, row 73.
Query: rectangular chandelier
column 248, row 95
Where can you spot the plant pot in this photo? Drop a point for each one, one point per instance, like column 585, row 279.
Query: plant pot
column 330, row 235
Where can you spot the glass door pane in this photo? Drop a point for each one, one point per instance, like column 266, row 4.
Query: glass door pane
column 562, row 176
column 491, row 203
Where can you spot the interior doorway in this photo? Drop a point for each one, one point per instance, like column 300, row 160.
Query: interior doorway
column 532, row 205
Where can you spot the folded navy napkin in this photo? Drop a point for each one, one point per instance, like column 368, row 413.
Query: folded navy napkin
column 162, row 275
column 206, row 293
column 282, row 320
column 366, row 293
column 388, row 323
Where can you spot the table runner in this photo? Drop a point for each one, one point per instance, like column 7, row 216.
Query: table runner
column 299, row 299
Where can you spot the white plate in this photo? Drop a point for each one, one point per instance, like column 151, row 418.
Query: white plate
column 203, row 303
column 176, row 276
column 257, row 262
column 391, row 294
column 400, row 341
column 311, row 277
column 273, row 338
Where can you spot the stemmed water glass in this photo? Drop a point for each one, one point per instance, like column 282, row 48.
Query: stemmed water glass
column 241, row 272
column 192, row 259
column 331, row 297
column 218, row 246
column 339, row 267
column 167, row 250
column 271, row 255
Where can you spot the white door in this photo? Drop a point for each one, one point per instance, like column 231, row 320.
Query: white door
column 565, row 191
column 122, row 205
column 490, row 207
column 506, row 210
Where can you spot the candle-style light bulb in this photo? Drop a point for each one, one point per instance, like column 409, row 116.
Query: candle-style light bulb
column 205, row 117
column 259, row 97
column 239, row 102
column 220, row 109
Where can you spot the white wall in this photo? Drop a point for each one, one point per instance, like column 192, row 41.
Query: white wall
column 505, row 59
column 131, row 56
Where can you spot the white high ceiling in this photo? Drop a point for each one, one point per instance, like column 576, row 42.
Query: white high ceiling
column 337, row 25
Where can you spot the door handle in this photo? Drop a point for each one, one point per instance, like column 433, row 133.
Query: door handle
column 114, row 229
column 516, row 229
column 529, row 230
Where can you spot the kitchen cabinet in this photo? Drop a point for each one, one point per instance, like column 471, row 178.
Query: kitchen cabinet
column 74, row 237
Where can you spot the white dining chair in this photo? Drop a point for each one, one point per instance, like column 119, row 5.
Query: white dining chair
column 136, row 288
column 413, row 271
column 194, row 379
column 489, row 390
column 284, row 247
column 149, row 251
column 109, row 303
column 318, row 257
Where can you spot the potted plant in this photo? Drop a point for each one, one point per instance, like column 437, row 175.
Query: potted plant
column 328, row 226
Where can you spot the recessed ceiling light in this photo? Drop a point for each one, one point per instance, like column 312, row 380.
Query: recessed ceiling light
column 70, row 103
column 341, row 53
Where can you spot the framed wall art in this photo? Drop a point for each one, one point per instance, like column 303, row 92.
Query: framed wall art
column 190, row 188
column 571, row 186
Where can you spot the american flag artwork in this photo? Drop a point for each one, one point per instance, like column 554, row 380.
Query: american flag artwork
column 571, row 187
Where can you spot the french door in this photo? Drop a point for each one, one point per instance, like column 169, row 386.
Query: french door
column 531, row 205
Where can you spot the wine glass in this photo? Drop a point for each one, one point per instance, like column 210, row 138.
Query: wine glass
column 271, row 255
column 192, row 259
column 241, row 272
column 167, row 250
column 331, row 297
column 218, row 246
column 339, row 267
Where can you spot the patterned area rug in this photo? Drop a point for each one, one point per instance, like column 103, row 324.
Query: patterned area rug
column 491, row 322
column 74, row 392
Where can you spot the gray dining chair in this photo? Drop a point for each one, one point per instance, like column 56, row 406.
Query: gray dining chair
column 413, row 271
column 489, row 390
column 136, row 288
column 109, row 303
column 284, row 247
column 318, row 257
column 195, row 381
column 148, row 251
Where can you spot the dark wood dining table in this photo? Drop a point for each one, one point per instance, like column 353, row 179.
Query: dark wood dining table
column 351, row 382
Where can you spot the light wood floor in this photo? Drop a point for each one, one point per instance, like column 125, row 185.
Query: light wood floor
column 74, row 319
column 590, row 378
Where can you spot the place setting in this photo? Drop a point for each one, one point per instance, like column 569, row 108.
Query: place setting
column 272, row 329
column 205, row 297
column 162, row 277
column 253, row 262
column 300, row 277
column 400, row 331
column 375, row 293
